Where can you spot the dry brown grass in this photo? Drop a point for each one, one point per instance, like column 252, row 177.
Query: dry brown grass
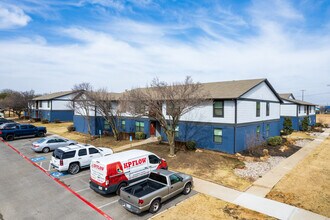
column 61, row 129
column 323, row 118
column 208, row 165
column 307, row 185
column 202, row 206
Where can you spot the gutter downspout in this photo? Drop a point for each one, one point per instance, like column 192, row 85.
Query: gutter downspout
column 235, row 126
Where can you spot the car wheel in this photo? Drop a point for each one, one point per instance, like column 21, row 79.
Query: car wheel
column 71, row 144
column 10, row 137
column 119, row 187
column 187, row 189
column 45, row 150
column 74, row 168
column 155, row 206
column 41, row 134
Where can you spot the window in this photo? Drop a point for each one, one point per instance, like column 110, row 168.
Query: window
column 51, row 141
column 153, row 159
column 31, row 126
column 24, row 127
column 174, row 179
column 69, row 154
column 258, row 131
column 258, row 109
column 267, row 108
column 82, row 152
column 40, row 104
column 106, row 125
column 158, row 178
column 60, row 140
column 217, row 135
column 139, row 126
column 123, row 125
column 218, row 108
column 92, row 150
column 48, row 104
column 305, row 108
column 176, row 131
column 267, row 130
column 299, row 109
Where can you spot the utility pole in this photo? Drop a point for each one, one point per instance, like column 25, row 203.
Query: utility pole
column 302, row 94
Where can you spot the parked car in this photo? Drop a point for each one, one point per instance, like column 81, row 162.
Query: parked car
column 9, row 125
column 23, row 130
column 51, row 143
column 2, row 115
column 3, row 121
column 75, row 157
column 109, row 174
column 152, row 192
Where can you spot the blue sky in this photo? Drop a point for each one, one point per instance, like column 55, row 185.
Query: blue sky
column 51, row 45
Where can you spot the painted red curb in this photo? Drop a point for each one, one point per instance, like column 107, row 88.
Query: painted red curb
column 59, row 182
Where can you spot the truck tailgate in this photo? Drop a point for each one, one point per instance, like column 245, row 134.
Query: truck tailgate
column 129, row 199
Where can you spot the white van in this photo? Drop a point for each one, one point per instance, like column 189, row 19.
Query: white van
column 110, row 173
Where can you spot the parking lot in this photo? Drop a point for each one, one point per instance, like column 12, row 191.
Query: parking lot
column 80, row 184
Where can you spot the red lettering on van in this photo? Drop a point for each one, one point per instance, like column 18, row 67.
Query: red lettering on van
column 135, row 163
column 96, row 166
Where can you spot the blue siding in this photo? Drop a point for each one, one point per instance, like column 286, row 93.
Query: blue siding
column 80, row 123
column 296, row 121
column 62, row 115
column 243, row 133
column 201, row 133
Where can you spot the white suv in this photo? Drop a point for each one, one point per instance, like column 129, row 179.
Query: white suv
column 73, row 158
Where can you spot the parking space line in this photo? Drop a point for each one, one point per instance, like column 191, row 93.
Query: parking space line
column 40, row 164
column 110, row 203
column 78, row 191
column 59, row 182
column 49, row 166
column 75, row 176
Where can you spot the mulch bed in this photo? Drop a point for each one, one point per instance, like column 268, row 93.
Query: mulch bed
column 272, row 150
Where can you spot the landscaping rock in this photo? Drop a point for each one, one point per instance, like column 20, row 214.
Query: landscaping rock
column 254, row 170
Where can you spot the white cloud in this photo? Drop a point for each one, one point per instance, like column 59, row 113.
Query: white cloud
column 12, row 17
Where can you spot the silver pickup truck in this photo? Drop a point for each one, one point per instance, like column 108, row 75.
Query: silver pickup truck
column 150, row 193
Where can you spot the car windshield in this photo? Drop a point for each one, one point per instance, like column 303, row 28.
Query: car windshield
column 41, row 140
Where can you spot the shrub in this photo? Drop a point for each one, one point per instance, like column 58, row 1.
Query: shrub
column 318, row 124
column 325, row 125
column 304, row 124
column 287, row 126
column 57, row 121
column 71, row 128
column 140, row 135
column 274, row 141
column 191, row 145
column 44, row 121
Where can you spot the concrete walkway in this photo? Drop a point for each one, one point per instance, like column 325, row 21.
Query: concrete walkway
column 127, row 146
column 254, row 199
column 264, row 185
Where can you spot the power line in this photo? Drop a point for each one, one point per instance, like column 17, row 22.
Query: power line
column 324, row 93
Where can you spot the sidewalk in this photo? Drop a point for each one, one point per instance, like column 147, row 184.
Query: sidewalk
column 127, row 146
column 254, row 199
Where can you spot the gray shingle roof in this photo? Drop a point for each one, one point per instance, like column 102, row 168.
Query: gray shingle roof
column 285, row 95
column 53, row 95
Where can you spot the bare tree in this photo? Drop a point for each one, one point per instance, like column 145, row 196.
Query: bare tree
column 17, row 102
column 82, row 103
column 107, row 106
column 179, row 98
